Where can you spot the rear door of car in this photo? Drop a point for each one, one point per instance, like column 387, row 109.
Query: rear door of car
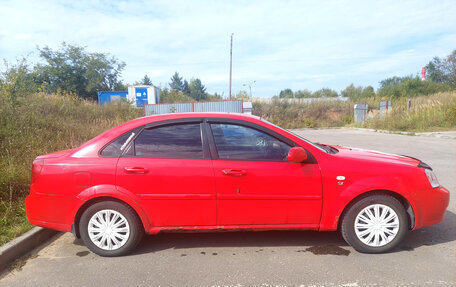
column 168, row 167
column 255, row 183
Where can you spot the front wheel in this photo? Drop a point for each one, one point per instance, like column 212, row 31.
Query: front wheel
column 110, row 228
column 375, row 224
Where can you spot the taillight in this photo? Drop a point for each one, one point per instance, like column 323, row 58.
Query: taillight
column 37, row 166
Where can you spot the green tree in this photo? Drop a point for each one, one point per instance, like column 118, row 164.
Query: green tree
column 442, row 70
column 242, row 95
column 197, row 90
column 287, row 93
column 214, row 97
column 17, row 80
column 352, row 92
column 368, row 92
column 325, row 93
column 176, row 83
column 303, row 94
column 73, row 69
column 185, row 88
column 146, row 81
column 409, row 86
column 173, row 96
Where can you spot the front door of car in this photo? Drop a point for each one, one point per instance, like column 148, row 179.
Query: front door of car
column 170, row 172
column 255, row 183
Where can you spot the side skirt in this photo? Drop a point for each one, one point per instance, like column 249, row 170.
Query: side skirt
column 216, row 228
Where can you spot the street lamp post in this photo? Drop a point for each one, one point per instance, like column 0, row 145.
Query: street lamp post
column 250, row 87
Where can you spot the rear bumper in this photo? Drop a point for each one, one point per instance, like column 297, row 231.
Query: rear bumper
column 51, row 211
column 433, row 207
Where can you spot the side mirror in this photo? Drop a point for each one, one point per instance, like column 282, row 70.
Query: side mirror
column 297, row 154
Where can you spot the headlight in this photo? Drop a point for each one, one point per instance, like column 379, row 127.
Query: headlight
column 432, row 178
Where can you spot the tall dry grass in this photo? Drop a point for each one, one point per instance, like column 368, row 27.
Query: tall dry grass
column 39, row 124
column 305, row 115
column 427, row 113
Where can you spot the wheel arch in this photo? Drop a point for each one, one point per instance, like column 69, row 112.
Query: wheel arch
column 405, row 203
column 90, row 202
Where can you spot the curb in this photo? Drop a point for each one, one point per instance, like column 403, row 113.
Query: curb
column 23, row 244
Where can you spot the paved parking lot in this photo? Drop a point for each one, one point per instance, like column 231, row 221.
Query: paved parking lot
column 426, row 258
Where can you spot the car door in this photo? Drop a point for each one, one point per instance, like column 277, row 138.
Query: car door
column 255, row 183
column 168, row 169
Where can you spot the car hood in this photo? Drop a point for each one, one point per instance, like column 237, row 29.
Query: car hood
column 372, row 155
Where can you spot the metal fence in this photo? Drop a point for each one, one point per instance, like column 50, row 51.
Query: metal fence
column 221, row 106
column 360, row 113
column 384, row 108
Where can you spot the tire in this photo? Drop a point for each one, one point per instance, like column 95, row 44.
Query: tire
column 375, row 224
column 101, row 238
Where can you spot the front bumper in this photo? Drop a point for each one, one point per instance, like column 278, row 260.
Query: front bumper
column 433, row 206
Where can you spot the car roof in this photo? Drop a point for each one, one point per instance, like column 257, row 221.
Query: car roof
column 163, row 117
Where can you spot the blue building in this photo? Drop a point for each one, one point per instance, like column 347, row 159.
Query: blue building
column 107, row 97
column 138, row 95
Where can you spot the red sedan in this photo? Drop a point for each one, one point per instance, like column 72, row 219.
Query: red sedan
column 212, row 171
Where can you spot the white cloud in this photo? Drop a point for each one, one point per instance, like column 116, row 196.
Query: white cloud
column 279, row 44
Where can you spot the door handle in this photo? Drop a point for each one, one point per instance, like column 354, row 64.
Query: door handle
column 136, row 170
column 234, row 172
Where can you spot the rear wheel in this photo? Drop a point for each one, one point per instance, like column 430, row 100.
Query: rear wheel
column 375, row 224
column 110, row 228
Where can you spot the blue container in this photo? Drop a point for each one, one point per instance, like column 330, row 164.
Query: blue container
column 141, row 97
column 107, row 97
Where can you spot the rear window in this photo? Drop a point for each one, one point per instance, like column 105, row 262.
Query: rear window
column 117, row 146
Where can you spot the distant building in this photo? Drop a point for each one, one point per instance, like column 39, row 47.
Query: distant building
column 138, row 95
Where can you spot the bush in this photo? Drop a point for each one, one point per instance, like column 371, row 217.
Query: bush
column 38, row 124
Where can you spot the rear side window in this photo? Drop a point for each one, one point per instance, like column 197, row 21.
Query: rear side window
column 173, row 141
column 117, row 146
column 236, row 142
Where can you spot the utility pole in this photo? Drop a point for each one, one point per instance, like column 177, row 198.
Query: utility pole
column 231, row 62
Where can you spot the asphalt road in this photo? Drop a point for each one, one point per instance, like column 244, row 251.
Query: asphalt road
column 286, row 258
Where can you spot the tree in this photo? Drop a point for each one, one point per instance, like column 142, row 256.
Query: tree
column 325, row 93
column 368, row 92
column 185, row 88
column 73, row 69
column 409, row 86
column 146, row 81
column 352, row 92
column 197, row 90
column 17, row 80
column 176, row 83
column 303, row 94
column 442, row 70
column 242, row 95
column 173, row 96
column 287, row 93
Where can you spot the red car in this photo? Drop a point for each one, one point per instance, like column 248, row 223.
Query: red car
column 213, row 171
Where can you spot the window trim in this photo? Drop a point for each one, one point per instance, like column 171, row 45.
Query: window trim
column 204, row 141
column 277, row 136
column 137, row 130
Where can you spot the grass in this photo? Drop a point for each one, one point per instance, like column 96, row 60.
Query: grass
column 291, row 115
column 428, row 113
column 39, row 124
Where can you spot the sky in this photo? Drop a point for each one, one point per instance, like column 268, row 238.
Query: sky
column 276, row 44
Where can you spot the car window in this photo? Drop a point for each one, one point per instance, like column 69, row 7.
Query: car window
column 173, row 141
column 115, row 147
column 236, row 142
